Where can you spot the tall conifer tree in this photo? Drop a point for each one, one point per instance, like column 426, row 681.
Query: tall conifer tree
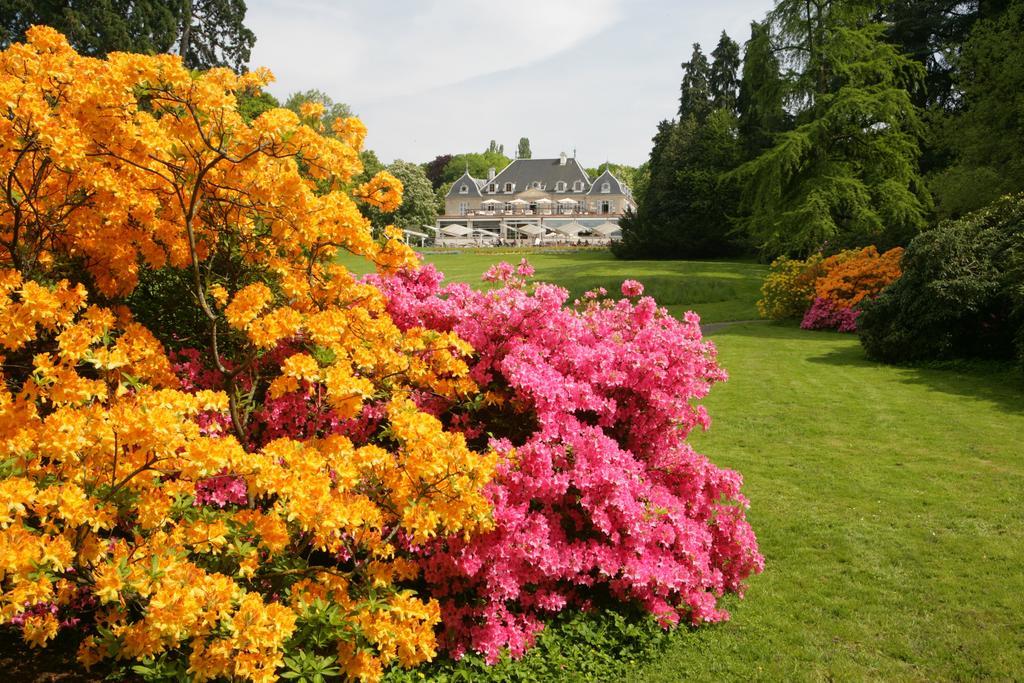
column 724, row 80
column 761, row 92
column 695, row 90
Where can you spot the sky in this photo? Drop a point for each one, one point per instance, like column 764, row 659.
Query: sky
column 432, row 77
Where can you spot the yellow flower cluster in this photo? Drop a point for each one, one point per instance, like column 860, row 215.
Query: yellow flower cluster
column 133, row 162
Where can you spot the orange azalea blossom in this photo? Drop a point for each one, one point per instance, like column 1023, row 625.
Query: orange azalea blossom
column 854, row 275
column 134, row 163
column 383, row 191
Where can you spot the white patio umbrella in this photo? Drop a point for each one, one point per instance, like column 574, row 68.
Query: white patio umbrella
column 456, row 230
column 566, row 204
column 570, row 229
column 519, row 201
column 531, row 229
column 544, row 200
column 606, row 228
column 491, row 202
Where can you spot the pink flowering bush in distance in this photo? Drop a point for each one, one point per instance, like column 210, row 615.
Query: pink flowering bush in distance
column 600, row 496
column 826, row 314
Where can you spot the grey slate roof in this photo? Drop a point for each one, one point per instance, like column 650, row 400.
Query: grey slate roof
column 473, row 186
column 524, row 172
column 616, row 185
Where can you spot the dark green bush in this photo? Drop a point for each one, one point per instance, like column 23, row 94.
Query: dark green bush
column 961, row 294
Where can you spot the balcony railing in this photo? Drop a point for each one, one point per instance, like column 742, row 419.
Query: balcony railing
column 556, row 213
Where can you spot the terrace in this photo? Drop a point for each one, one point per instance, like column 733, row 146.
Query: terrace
column 523, row 232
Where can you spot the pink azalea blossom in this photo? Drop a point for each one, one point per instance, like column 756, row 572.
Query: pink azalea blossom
column 221, row 491
column 825, row 314
column 632, row 288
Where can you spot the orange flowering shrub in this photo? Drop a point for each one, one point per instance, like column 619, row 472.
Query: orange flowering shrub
column 113, row 166
column 854, row 275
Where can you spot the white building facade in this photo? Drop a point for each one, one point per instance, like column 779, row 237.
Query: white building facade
column 534, row 200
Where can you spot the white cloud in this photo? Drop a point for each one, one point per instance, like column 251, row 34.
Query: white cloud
column 362, row 50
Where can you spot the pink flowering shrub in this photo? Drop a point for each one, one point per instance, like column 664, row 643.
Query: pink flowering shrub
column 826, row 314
column 600, row 496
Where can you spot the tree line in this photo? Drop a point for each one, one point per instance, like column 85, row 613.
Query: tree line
column 845, row 123
column 206, row 33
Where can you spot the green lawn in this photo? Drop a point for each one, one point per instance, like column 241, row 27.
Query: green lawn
column 887, row 502
column 717, row 290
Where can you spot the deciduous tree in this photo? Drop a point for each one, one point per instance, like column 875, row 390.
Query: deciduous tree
column 332, row 110
column 435, row 169
column 419, row 203
column 986, row 137
column 475, row 163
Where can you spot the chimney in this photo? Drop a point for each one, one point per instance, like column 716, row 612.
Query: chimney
column 490, row 173
column 561, row 159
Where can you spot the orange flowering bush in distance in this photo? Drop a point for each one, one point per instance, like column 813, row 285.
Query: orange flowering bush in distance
column 854, row 275
column 844, row 279
column 110, row 167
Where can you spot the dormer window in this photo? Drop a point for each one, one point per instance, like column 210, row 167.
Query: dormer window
column 464, row 189
column 606, row 188
column 536, row 184
column 577, row 186
column 560, row 186
column 509, row 187
column 492, row 188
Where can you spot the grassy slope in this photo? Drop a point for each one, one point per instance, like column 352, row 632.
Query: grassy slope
column 717, row 290
column 887, row 502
